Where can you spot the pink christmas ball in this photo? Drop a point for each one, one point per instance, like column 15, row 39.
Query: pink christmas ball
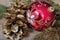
column 41, row 15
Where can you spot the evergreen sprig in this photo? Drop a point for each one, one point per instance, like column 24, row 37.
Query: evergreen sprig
column 2, row 10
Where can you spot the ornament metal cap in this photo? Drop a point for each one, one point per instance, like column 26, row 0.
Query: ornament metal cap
column 50, row 9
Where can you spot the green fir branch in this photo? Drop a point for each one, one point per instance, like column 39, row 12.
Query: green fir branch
column 2, row 10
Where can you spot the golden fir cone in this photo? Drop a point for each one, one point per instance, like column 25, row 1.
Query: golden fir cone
column 25, row 27
column 16, row 23
column 13, row 16
column 20, row 23
column 19, row 34
column 17, row 10
column 20, row 16
column 9, row 21
column 11, row 10
column 6, row 29
column 22, row 12
column 7, row 15
column 14, row 28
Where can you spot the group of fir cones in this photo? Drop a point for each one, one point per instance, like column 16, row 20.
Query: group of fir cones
column 15, row 26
